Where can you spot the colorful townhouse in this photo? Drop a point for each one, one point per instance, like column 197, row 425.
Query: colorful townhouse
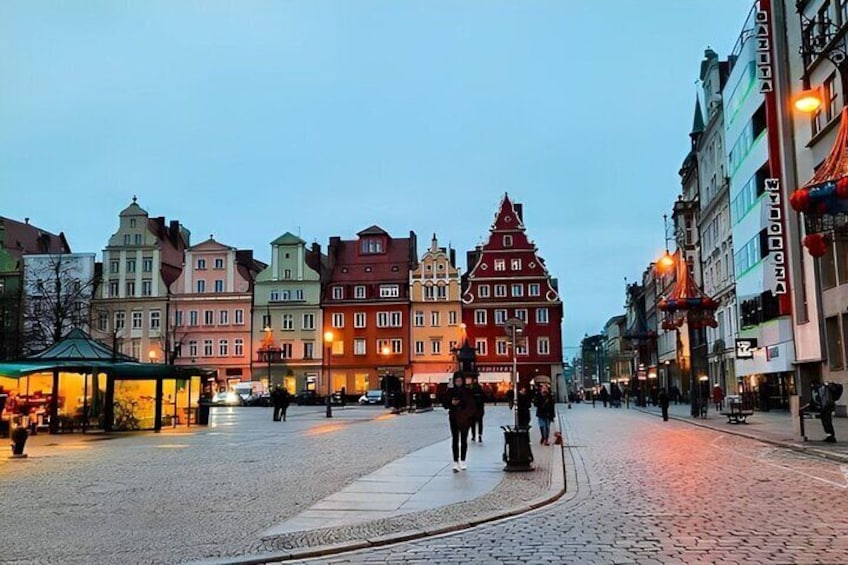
column 435, row 289
column 210, row 311
column 508, row 279
column 366, row 308
column 141, row 262
column 287, row 323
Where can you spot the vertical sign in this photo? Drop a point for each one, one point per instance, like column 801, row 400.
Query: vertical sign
column 763, row 39
column 776, row 241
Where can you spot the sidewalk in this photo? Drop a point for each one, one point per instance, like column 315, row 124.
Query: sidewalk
column 775, row 427
column 415, row 496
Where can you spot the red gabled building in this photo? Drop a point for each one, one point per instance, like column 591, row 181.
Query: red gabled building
column 506, row 279
column 366, row 305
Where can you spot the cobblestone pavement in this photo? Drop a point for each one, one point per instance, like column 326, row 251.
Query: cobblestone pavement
column 645, row 491
column 178, row 496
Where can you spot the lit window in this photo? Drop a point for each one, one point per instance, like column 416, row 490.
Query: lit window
column 359, row 347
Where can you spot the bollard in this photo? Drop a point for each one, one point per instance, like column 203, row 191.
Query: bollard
column 19, row 439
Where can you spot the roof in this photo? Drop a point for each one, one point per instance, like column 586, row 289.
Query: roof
column 78, row 346
column 373, row 230
column 698, row 120
column 400, row 252
column 21, row 238
column 288, row 238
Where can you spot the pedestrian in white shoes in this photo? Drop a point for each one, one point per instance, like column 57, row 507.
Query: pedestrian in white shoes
column 461, row 410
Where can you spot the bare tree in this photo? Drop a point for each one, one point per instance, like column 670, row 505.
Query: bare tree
column 57, row 298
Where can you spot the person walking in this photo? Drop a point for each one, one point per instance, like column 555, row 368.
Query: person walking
column 718, row 397
column 524, row 404
column 828, row 405
column 615, row 395
column 285, row 400
column 545, row 412
column 604, row 395
column 479, row 410
column 662, row 396
column 277, row 402
column 460, row 405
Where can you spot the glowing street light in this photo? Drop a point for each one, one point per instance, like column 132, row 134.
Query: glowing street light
column 809, row 100
column 328, row 339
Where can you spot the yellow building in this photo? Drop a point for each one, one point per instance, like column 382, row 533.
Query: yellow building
column 436, row 317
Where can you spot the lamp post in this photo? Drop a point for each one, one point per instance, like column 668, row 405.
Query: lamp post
column 328, row 339
column 514, row 328
column 385, row 352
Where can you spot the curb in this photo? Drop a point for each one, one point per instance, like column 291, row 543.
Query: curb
column 555, row 492
column 838, row 457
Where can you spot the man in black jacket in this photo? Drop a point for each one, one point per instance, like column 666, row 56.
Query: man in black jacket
column 479, row 410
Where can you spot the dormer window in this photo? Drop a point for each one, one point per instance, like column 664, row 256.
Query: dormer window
column 338, row 293
column 507, row 241
column 389, row 291
column 359, row 291
column 371, row 246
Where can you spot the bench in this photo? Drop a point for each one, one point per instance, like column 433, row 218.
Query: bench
column 736, row 415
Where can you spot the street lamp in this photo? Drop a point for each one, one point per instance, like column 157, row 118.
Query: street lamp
column 152, row 355
column 514, row 327
column 385, row 351
column 328, row 339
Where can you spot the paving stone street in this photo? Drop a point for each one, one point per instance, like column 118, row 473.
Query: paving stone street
column 645, row 491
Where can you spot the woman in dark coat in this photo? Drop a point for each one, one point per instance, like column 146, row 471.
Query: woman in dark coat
column 459, row 401
column 545, row 413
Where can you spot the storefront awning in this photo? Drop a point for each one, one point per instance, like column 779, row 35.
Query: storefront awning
column 495, row 378
column 431, row 377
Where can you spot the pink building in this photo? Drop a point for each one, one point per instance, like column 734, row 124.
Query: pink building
column 209, row 323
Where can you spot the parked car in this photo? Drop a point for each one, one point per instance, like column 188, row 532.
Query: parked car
column 227, row 398
column 372, row 397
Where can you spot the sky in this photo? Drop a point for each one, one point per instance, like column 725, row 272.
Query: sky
column 249, row 119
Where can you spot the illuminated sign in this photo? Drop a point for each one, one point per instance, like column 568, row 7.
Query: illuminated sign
column 775, row 237
column 763, row 38
column 745, row 348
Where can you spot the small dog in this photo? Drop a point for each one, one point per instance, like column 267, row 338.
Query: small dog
column 557, row 438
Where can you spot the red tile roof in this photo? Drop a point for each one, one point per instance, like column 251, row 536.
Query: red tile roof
column 23, row 238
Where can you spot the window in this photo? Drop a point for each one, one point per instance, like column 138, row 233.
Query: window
column 429, row 293
column 309, row 321
column 201, row 264
column 113, row 289
column 541, row 315
column 370, row 246
column 518, row 290
column 286, row 295
column 219, row 264
column 137, row 320
column 500, row 264
column 286, row 350
column 338, row 347
column 287, row 274
column 147, row 264
column 239, row 316
column 396, row 319
column 442, row 292
column 507, row 241
column 288, row 322
column 201, row 286
column 515, row 264
column 382, row 319
column 146, row 288
column 834, row 343
column 338, row 293
column 397, row 346
column 521, row 314
column 138, row 239
column 502, row 347
column 359, row 291
column 192, row 348
column 103, row 321
column 308, row 350
column 359, row 320
column 452, row 317
column 419, row 319
column 114, row 266
column 274, row 296
column 481, row 345
column 338, row 320
column 435, row 319
column 155, row 319
column 483, row 291
column 208, row 317
column 389, row 291
column 533, row 289
column 130, row 288
column 298, row 294
column 436, row 347
column 383, row 345
column 521, row 347
column 127, row 239
column 500, row 290
column 266, row 322
column 543, row 346
column 178, row 318
column 223, row 348
column 192, row 318
column 223, row 317
column 130, row 265
column 452, row 345
column 219, row 285
column 831, row 98
column 479, row 317
column 419, row 348
column 238, row 347
column 359, row 347
column 500, row 317
column 120, row 320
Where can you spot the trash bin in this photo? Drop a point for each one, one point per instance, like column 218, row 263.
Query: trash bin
column 202, row 414
column 517, row 453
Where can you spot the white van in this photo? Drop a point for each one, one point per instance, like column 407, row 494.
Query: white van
column 250, row 391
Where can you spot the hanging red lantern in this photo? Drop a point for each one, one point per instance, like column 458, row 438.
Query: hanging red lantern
column 816, row 244
column 800, row 200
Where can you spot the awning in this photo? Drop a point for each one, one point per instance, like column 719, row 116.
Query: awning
column 495, row 378
column 432, row 377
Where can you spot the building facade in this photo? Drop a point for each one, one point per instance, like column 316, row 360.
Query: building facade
column 508, row 279
column 435, row 288
column 141, row 262
column 287, row 319
column 58, row 289
column 366, row 309
column 16, row 240
column 209, row 311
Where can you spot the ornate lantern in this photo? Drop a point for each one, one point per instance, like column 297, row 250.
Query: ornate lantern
column 687, row 303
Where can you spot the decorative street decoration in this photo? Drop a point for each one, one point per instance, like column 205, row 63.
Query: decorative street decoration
column 687, row 303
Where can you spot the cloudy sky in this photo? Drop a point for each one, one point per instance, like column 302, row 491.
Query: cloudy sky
column 249, row 119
